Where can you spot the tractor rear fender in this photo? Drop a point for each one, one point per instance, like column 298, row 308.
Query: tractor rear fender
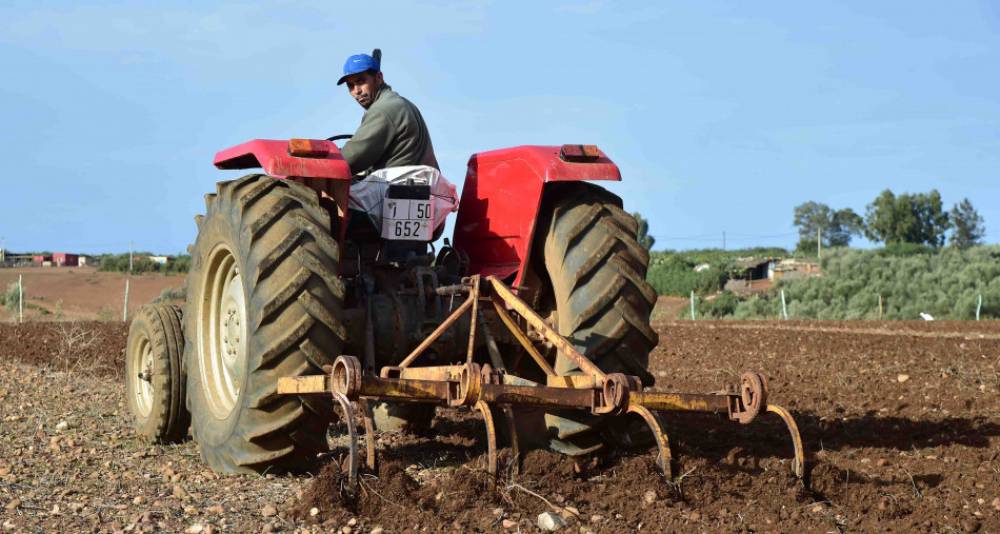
column 316, row 163
column 502, row 198
column 314, row 159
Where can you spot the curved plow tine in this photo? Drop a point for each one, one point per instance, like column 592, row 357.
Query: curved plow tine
column 491, row 436
column 352, row 431
column 370, row 458
column 799, row 463
column 515, row 450
column 662, row 443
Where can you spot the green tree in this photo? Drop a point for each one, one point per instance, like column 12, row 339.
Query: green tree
column 836, row 227
column 967, row 225
column 908, row 218
column 845, row 224
column 644, row 238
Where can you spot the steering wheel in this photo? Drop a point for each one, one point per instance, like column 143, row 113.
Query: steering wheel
column 339, row 137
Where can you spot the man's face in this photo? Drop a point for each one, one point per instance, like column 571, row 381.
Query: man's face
column 363, row 86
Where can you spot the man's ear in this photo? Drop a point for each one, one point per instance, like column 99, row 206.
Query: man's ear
column 379, row 81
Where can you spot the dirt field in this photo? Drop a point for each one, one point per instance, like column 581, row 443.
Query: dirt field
column 82, row 293
column 900, row 421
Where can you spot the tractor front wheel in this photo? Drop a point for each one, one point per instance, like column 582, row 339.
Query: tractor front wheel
column 154, row 376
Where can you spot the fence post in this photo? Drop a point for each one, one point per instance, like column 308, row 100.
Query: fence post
column 784, row 308
column 979, row 305
column 692, row 305
column 20, row 298
column 880, row 307
column 125, row 309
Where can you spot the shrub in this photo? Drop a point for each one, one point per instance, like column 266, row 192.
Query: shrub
column 142, row 264
column 10, row 296
column 180, row 264
column 171, row 294
column 721, row 306
column 905, row 249
column 911, row 279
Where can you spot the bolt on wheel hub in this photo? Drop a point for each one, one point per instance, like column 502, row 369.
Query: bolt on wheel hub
column 143, row 381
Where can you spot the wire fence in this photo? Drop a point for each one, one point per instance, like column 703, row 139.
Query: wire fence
column 785, row 315
column 16, row 300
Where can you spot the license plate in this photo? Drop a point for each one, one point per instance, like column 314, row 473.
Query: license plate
column 406, row 219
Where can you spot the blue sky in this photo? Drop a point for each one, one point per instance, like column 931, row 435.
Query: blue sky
column 723, row 116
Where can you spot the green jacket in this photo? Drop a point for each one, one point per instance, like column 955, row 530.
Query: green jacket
column 392, row 134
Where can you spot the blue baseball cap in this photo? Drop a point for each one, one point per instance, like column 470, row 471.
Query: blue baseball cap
column 358, row 63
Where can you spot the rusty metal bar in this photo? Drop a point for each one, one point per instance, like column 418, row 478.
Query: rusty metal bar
column 304, row 385
column 430, row 384
column 430, row 372
column 571, row 381
column 538, row 323
column 681, row 402
column 437, row 332
column 523, row 339
column 537, row 396
column 404, row 389
column 474, row 296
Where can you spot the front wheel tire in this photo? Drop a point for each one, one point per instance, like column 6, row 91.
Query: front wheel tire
column 154, row 374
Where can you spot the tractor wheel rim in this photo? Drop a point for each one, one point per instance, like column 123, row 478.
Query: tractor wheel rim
column 143, row 379
column 224, row 333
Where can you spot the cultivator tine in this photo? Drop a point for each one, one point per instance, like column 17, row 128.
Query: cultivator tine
column 660, row 435
column 799, row 463
column 352, row 432
column 491, row 437
column 515, row 450
column 369, row 422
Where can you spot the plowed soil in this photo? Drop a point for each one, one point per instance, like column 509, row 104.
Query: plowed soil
column 900, row 421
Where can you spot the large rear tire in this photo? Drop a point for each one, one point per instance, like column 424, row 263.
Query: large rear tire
column 264, row 301
column 600, row 297
column 154, row 374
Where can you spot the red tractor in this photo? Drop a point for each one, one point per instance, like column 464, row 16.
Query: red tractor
column 287, row 275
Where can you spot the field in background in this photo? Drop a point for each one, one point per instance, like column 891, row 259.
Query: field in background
column 83, row 293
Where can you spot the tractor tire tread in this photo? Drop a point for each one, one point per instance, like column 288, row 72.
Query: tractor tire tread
column 289, row 261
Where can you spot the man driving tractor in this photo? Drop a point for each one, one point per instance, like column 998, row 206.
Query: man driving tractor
column 391, row 144
column 392, row 131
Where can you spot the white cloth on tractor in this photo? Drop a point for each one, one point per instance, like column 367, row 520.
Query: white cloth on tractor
column 368, row 194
